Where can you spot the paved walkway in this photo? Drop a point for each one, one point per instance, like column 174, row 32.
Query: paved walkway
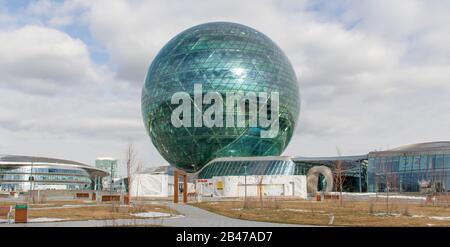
column 192, row 217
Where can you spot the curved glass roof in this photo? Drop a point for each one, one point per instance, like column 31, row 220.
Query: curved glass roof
column 20, row 160
column 240, row 166
column 426, row 147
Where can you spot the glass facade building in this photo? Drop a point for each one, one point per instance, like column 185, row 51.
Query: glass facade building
column 412, row 168
column 22, row 173
column 109, row 165
column 224, row 58
column 240, row 166
column 354, row 169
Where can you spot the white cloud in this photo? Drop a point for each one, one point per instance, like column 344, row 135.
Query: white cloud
column 44, row 60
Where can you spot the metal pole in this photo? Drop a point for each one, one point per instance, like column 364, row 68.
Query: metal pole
column 184, row 188
column 175, row 186
column 111, row 181
column 245, row 185
column 360, row 188
column 31, row 182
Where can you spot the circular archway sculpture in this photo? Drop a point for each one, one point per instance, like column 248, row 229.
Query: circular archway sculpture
column 312, row 178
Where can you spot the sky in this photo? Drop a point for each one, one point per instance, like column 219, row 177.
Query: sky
column 373, row 75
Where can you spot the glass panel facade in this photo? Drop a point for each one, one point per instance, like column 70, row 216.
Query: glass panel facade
column 238, row 168
column 18, row 178
column 413, row 169
column 222, row 57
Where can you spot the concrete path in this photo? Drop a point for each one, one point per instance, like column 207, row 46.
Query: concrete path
column 192, row 217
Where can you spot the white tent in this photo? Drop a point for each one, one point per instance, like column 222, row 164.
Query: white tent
column 154, row 185
column 146, row 185
column 269, row 185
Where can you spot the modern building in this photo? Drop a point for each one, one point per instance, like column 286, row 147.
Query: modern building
column 110, row 165
column 223, row 58
column 353, row 170
column 24, row 173
column 423, row 167
column 229, row 58
column 251, row 176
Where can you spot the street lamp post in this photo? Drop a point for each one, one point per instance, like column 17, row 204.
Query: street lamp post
column 31, row 179
column 360, row 186
column 245, row 186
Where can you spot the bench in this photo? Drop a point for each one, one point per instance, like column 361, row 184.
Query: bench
column 6, row 211
column 82, row 195
column 111, row 198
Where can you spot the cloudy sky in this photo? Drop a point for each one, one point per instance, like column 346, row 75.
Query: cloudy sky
column 373, row 74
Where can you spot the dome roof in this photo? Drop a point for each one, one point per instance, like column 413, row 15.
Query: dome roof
column 426, row 147
column 21, row 160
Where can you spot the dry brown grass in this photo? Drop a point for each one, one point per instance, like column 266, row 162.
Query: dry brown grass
column 100, row 212
column 352, row 213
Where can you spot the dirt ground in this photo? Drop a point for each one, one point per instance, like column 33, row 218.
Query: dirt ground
column 351, row 213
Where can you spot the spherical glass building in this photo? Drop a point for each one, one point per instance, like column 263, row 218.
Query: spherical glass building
column 223, row 57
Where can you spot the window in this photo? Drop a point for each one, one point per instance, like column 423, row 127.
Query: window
column 416, row 164
column 423, row 162
column 402, row 166
column 409, row 163
column 439, row 161
column 395, row 164
column 447, row 161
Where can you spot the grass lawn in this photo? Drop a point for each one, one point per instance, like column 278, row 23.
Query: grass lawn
column 351, row 213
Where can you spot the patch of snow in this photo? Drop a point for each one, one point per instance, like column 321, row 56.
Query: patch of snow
column 418, row 216
column 44, row 219
column 151, row 214
column 440, row 217
column 236, row 209
column 421, row 198
column 385, row 214
column 176, row 216
column 212, row 203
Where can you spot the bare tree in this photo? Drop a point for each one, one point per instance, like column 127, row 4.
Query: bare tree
column 260, row 190
column 137, row 171
column 131, row 160
column 339, row 177
column 387, row 178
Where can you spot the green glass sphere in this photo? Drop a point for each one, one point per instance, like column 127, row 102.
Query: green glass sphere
column 223, row 57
